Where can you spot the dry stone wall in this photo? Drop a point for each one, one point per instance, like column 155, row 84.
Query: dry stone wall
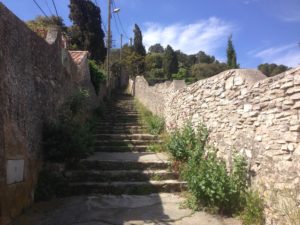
column 249, row 113
column 35, row 79
column 154, row 97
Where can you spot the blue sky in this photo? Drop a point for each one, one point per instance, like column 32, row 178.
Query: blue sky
column 264, row 31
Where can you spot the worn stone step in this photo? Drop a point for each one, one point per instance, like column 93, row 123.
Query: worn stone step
column 120, row 127
column 125, row 142
column 116, row 123
column 141, row 148
column 136, row 188
column 125, row 161
column 120, row 175
column 118, row 131
column 126, row 136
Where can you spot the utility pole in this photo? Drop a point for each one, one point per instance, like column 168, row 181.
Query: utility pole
column 108, row 45
column 120, row 76
column 130, row 42
column 121, row 47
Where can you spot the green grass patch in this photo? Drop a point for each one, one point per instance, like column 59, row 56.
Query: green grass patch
column 154, row 124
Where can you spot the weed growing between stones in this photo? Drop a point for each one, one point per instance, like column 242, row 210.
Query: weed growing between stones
column 211, row 185
column 154, row 124
column 252, row 213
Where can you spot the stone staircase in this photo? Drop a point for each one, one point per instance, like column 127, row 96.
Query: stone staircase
column 121, row 163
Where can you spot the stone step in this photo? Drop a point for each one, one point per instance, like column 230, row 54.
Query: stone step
column 125, row 161
column 125, row 142
column 116, row 123
column 120, row 127
column 131, row 188
column 118, row 131
column 120, row 175
column 142, row 148
column 126, row 136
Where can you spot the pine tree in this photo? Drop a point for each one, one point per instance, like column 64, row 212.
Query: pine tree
column 138, row 41
column 231, row 55
column 170, row 62
column 86, row 33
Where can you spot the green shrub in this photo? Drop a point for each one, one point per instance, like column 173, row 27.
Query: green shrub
column 50, row 185
column 97, row 75
column 186, row 143
column 70, row 138
column 213, row 187
column 67, row 141
column 253, row 213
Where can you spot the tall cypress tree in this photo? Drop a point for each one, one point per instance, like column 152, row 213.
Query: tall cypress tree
column 231, row 55
column 86, row 33
column 138, row 41
column 170, row 62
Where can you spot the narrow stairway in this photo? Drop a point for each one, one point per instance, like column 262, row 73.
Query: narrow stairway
column 121, row 163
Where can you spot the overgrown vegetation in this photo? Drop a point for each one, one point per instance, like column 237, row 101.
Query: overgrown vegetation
column 253, row 211
column 97, row 75
column 154, row 124
column 65, row 142
column 211, row 185
column 70, row 138
column 51, row 184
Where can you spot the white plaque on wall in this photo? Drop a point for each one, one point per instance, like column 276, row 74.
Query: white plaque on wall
column 14, row 171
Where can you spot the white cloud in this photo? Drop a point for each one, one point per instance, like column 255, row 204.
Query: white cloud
column 247, row 2
column 206, row 35
column 291, row 18
column 287, row 54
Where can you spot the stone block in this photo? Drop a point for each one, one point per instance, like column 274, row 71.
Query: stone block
column 292, row 137
column 14, row 171
column 293, row 90
column 229, row 83
column 297, row 105
column 238, row 81
column 295, row 96
column 287, row 85
column 247, row 107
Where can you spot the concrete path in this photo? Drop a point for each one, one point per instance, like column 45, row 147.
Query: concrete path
column 154, row 209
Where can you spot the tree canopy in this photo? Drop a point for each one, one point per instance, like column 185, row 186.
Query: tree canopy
column 231, row 55
column 86, row 33
column 41, row 23
column 157, row 48
column 170, row 62
column 138, row 41
column 272, row 69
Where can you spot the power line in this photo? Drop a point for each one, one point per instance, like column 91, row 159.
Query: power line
column 104, row 26
column 40, row 9
column 122, row 27
column 55, row 8
column 116, row 23
column 50, row 11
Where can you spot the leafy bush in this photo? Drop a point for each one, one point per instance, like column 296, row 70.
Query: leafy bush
column 154, row 124
column 50, row 185
column 97, row 75
column 253, row 211
column 186, row 143
column 69, row 139
column 213, row 187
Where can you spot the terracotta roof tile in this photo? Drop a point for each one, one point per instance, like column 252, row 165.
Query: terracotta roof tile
column 78, row 56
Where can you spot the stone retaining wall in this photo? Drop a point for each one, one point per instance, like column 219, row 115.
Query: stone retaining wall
column 249, row 113
column 36, row 77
